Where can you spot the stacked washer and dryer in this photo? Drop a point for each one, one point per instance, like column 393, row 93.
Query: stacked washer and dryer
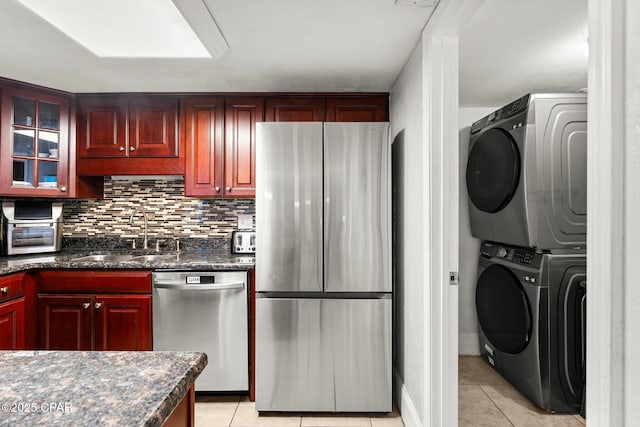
column 527, row 184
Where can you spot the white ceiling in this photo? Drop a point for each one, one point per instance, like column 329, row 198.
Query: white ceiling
column 275, row 45
column 513, row 47
column 509, row 48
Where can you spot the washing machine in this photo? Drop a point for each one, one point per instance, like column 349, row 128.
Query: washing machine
column 531, row 311
column 527, row 173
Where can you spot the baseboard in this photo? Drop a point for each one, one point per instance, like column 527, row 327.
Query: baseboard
column 410, row 416
column 468, row 344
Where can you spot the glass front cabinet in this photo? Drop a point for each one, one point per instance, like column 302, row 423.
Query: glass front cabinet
column 34, row 143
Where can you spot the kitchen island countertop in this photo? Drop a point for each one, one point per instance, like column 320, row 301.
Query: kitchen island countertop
column 207, row 259
column 45, row 388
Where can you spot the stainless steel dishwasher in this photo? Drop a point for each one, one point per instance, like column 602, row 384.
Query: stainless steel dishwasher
column 205, row 311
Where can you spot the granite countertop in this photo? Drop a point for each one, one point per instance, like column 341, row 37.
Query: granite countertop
column 120, row 388
column 192, row 259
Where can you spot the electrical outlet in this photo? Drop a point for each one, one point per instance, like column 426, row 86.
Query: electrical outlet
column 245, row 222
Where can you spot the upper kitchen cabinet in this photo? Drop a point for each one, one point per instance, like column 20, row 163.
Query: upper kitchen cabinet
column 204, row 139
column 295, row 109
column 241, row 115
column 370, row 108
column 128, row 134
column 34, row 143
column 102, row 127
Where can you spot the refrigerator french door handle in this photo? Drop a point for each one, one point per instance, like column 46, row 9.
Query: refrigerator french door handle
column 213, row 287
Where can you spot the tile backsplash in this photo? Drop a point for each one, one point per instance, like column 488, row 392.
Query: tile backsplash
column 169, row 212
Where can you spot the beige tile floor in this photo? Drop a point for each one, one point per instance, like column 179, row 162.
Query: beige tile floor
column 217, row 411
column 486, row 399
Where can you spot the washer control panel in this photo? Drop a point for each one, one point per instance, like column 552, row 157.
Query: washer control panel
column 523, row 256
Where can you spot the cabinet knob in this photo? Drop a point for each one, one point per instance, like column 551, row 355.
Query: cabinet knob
column 132, row 148
column 228, row 189
column 63, row 189
column 121, row 148
column 4, row 290
column 86, row 305
column 97, row 305
column 217, row 189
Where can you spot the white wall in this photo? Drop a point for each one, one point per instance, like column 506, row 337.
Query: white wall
column 407, row 136
column 469, row 247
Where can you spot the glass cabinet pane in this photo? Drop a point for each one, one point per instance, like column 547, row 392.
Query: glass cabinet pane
column 48, row 116
column 24, row 111
column 47, row 144
column 23, row 172
column 24, row 142
column 48, row 174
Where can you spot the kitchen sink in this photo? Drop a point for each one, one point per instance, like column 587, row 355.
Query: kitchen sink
column 151, row 258
column 103, row 258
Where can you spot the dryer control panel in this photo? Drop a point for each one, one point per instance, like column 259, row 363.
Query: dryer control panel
column 507, row 111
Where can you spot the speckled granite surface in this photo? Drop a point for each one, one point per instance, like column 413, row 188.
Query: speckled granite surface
column 191, row 259
column 46, row 388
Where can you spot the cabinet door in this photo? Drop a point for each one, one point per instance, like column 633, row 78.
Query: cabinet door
column 102, row 127
column 358, row 109
column 242, row 113
column 204, row 139
column 295, row 109
column 34, row 154
column 65, row 322
column 123, row 322
column 153, row 127
column 12, row 325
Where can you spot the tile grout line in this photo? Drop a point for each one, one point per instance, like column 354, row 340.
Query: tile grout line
column 234, row 413
column 496, row 405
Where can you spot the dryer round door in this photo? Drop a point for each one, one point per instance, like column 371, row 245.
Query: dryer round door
column 493, row 170
column 503, row 309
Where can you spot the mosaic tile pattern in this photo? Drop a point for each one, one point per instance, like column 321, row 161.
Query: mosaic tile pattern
column 169, row 212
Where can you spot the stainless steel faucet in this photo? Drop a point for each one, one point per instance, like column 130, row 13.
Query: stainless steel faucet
column 144, row 213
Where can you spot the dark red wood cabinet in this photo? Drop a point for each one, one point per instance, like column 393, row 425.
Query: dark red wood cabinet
column 102, row 126
column 128, row 134
column 12, row 324
column 13, row 312
column 358, row 108
column 89, row 310
column 65, row 322
column 153, row 126
column 34, row 149
column 295, row 109
column 241, row 115
column 203, row 119
column 123, row 322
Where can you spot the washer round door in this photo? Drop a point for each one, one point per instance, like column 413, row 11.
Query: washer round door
column 503, row 309
column 493, row 170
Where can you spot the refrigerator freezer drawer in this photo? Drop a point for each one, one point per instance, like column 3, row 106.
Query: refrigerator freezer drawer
column 330, row 355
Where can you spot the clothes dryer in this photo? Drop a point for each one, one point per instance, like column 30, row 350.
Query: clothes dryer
column 527, row 173
column 531, row 308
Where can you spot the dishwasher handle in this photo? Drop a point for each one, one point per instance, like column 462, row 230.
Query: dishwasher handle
column 211, row 287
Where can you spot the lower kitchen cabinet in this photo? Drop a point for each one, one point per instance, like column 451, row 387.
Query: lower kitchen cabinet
column 123, row 322
column 94, row 310
column 12, row 324
column 94, row 322
column 14, row 310
column 65, row 322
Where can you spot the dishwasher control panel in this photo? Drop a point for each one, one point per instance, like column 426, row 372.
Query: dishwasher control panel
column 200, row 280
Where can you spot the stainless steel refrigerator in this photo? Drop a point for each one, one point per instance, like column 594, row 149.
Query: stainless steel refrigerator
column 323, row 267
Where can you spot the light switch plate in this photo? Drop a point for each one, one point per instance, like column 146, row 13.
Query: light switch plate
column 245, row 222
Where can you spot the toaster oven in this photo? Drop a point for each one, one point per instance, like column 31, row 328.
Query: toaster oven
column 31, row 227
